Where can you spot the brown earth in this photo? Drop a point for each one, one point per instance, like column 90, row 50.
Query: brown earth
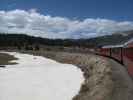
column 5, row 59
column 105, row 79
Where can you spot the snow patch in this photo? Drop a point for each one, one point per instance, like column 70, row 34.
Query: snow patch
column 38, row 78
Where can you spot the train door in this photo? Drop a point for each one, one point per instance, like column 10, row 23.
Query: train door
column 128, row 59
column 116, row 53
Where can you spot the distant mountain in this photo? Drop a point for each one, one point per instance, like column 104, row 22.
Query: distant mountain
column 114, row 39
column 23, row 40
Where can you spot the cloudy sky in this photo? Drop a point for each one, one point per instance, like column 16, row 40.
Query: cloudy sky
column 66, row 18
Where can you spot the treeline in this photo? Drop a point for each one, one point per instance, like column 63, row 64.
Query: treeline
column 21, row 40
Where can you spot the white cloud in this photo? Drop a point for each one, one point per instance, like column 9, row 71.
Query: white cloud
column 34, row 23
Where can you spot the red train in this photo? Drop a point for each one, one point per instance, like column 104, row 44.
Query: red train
column 122, row 53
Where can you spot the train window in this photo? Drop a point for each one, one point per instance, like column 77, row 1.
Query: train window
column 129, row 52
column 116, row 50
column 129, row 49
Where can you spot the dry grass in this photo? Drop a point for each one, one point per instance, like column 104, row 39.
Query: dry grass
column 98, row 84
column 105, row 79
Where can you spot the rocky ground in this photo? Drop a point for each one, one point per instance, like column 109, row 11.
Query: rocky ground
column 105, row 79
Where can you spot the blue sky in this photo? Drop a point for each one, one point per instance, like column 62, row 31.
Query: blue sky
column 66, row 18
column 108, row 9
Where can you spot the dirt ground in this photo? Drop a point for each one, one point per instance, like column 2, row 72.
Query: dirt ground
column 105, row 79
column 5, row 59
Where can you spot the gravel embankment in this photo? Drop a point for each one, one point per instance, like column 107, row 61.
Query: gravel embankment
column 105, row 79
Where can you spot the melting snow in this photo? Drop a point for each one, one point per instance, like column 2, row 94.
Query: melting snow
column 38, row 78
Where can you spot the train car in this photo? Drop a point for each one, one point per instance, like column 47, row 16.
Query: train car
column 117, row 53
column 114, row 51
column 104, row 51
column 128, row 56
column 122, row 53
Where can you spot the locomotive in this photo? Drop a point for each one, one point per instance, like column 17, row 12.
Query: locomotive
column 122, row 53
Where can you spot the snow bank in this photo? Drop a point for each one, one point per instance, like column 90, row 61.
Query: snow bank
column 38, row 78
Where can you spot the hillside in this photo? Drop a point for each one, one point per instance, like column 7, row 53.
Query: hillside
column 24, row 40
column 114, row 39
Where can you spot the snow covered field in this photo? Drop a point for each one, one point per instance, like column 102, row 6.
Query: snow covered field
column 38, row 78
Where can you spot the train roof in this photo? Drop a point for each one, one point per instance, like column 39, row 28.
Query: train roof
column 128, row 42
column 119, row 45
column 112, row 46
